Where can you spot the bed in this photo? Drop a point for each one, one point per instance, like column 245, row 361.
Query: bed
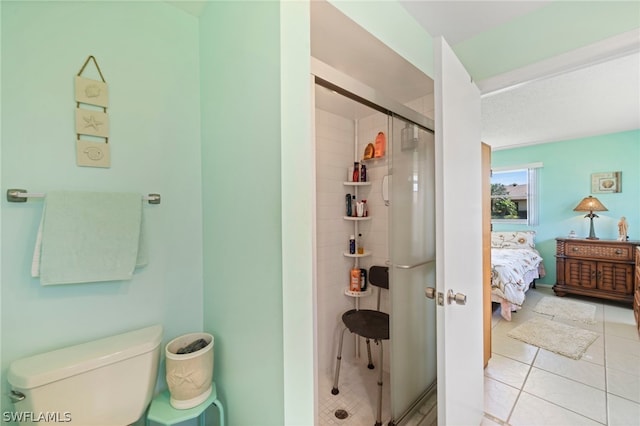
column 515, row 265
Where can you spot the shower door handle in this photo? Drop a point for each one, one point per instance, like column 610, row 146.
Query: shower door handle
column 431, row 293
column 415, row 265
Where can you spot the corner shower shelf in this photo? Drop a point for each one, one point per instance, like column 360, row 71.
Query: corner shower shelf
column 356, row 218
column 365, row 254
column 363, row 293
column 357, row 183
column 375, row 161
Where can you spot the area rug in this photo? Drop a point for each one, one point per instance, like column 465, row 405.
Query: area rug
column 554, row 336
column 567, row 309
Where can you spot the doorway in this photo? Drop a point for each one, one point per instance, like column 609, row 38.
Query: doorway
column 348, row 49
column 399, row 232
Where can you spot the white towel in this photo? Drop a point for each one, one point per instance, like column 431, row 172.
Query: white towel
column 89, row 237
column 35, row 263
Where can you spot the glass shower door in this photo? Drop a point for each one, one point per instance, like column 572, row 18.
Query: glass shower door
column 413, row 267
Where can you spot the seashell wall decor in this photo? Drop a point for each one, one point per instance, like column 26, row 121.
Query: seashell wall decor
column 92, row 120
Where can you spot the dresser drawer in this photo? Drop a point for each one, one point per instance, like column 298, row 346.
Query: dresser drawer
column 623, row 252
column 636, row 310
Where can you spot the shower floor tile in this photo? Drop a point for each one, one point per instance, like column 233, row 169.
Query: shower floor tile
column 358, row 395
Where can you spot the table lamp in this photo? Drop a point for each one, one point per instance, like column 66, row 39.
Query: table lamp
column 590, row 204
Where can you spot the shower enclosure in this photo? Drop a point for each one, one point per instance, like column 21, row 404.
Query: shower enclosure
column 412, row 263
column 400, row 233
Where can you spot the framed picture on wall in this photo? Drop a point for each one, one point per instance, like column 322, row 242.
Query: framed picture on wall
column 603, row 183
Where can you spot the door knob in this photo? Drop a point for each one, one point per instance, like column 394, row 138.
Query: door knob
column 459, row 298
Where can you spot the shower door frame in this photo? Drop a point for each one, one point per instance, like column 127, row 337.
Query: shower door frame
column 331, row 78
column 411, row 168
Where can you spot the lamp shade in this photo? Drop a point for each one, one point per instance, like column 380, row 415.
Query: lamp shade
column 590, row 204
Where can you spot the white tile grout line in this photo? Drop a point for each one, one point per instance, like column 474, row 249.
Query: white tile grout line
column 604, row 362
column 495, row 419
column 606, row 392
column 522, row 386
column 531, row 366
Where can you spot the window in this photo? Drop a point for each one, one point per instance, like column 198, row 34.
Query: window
column 514, row 194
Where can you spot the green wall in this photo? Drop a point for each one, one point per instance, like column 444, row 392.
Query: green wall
column 232, row 247
column 557, row 28
column 148, row 53
column 565, row 180
column 257, row 162
column 241, row 192
column 298, row 212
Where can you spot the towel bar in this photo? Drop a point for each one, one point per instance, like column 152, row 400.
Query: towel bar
column 21, row 195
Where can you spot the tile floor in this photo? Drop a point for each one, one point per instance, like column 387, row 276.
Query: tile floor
column 526, row 385
column 358, row 395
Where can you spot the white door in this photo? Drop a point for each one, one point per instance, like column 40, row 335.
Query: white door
column 458, row 240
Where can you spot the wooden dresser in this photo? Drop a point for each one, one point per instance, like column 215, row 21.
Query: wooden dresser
column 597, row 268
column 636, row 299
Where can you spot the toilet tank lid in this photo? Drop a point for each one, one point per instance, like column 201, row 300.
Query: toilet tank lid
column 47, row 367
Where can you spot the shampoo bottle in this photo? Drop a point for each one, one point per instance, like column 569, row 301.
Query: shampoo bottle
column 356, row 172
column 352, row 244
column 363, row 279
column 381, row 145
column 354, row 282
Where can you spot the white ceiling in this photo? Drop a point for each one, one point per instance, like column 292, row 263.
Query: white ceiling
column 598, row 99
column 590, row 91
column 338, row 42
column 593, row 90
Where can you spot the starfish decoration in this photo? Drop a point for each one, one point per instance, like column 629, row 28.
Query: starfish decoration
column 92, row 122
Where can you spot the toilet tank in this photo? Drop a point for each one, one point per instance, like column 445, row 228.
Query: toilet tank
column 105, row 382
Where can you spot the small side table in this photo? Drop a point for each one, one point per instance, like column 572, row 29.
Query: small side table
column 161, row 411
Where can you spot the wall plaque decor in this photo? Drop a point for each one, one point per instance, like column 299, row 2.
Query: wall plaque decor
column 92, row 120
column 603, row 183
column 91, row 92
column 94, row 123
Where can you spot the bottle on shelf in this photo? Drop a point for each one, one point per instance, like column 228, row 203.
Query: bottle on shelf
column 363, row 173
column 352, row 244
column 380, row 145
column 360, row 248
column 356, row 172
column 349, row 210
column 368, row 152
column 363, row 279
column 354, row 282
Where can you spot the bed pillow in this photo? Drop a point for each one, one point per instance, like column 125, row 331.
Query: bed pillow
column 513, row 239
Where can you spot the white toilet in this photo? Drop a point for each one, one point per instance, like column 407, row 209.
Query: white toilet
column 106, row 382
